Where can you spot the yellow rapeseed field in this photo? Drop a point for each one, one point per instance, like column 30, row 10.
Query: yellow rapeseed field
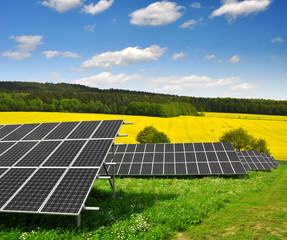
column 179, row 129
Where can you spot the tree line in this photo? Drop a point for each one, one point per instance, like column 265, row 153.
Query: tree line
column 74, row 97
column 24, row 102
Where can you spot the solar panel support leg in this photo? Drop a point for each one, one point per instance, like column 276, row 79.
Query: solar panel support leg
column 114, row 191
column 79, row 220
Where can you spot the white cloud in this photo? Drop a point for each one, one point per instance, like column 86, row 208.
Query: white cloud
column 277, row 40
column 196, row 5
column 27, row 43
column 178, row 56
column 55, row 74
column 51, row 54
column 90, row 28
column 125, row 57
column 157, row 14
column 16, row 55
column 233, row 8
column 209, row 57
column 235, row 59
column 185, row 85
column 101, row 6
column 62, row 5
column 106, row 79
column 189, row 24
column 242, row 89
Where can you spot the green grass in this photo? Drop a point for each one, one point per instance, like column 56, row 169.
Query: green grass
column 155, row 208
column 261, row 215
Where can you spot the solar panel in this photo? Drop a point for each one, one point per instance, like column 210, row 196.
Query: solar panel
column 11, row 181
column 41, row 131
column 52, row 166
column 38, row 154
column 108, row 129
column 84, row 130
column 15, row 153
column 94, row 153
column 71, row 193
column 35, row 191
column 253, row 160
column 20, row 132
column 271, row 159
column 4, row 146
column 4, row 131
column 65, row 153
column 62, row 130
column 177, row 159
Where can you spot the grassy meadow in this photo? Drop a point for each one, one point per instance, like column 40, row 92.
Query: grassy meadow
column 179, row 129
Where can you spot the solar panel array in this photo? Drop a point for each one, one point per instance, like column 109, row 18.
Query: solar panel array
column 51, row 167
column 176, row 159
column 253, row 160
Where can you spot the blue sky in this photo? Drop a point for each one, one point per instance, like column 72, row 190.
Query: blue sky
column 209, row 48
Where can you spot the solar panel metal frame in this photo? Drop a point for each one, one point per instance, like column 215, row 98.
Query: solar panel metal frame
column 67, row 168
column 172, row 151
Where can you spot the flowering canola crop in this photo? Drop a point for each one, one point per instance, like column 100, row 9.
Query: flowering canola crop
column 179, row 129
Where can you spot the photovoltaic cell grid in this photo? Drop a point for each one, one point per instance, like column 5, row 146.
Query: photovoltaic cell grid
column 271, row 159
column 253, row 160
column 176, row 159
column 52, row 166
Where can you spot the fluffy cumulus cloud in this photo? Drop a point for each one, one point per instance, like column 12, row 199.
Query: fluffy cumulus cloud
column 67, row 5
column 125, row 57
column 51, row 54
column 62, row 5
column 235, row 59
column 234, row 8
column 157, row 14
column 277, row 40
column 209, row 57
column 242, row 89
column 101, row 6
column 27, row 43
column 178, row 56
column 107, row 79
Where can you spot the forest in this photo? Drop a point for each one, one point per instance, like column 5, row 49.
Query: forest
column 32, row 96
